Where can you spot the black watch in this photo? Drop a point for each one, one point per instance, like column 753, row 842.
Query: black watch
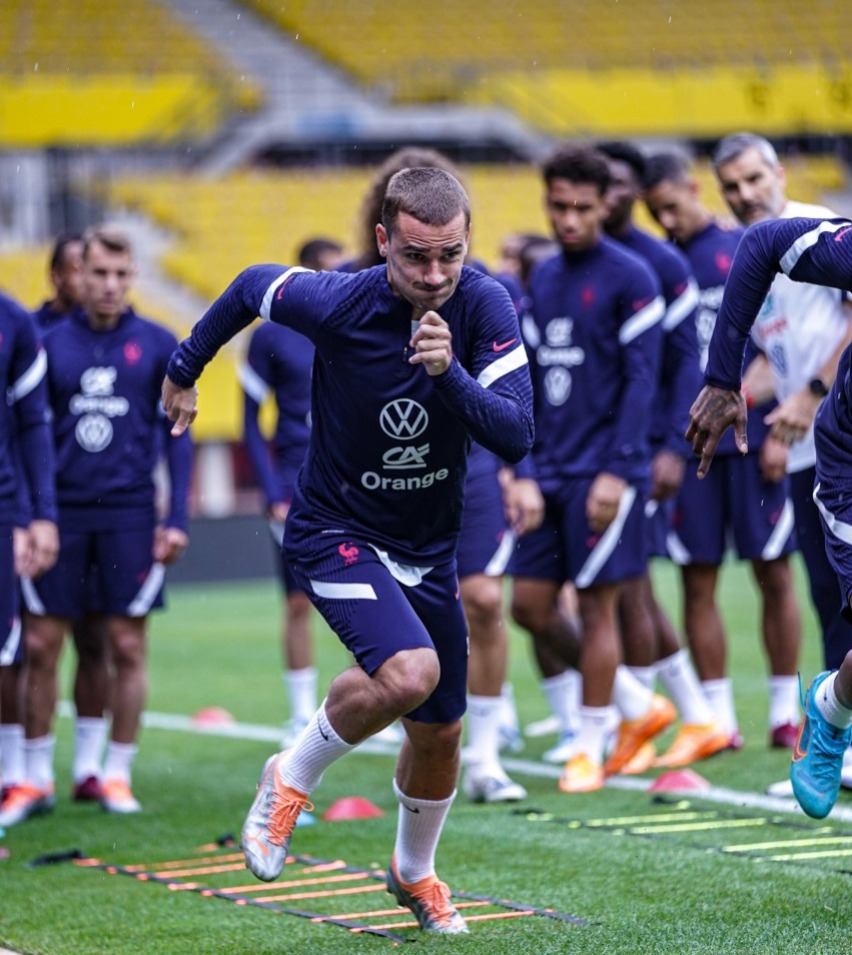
column 818, row 387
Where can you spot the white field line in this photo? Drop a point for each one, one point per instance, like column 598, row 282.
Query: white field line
column 272, row 734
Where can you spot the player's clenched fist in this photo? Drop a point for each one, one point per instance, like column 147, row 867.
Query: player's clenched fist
column 432, row 344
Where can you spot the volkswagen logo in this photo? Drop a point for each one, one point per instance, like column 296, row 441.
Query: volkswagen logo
column 403, row 419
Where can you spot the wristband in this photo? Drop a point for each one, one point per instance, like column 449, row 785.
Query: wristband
column 749, row 398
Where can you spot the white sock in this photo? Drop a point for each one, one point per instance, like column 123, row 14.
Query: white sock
column 418, row 829
column 720, row 695
column 595, row 722
column 119, row 761
column 629, row 694
column 830, row 707
column 302, row 688
column 563, row 693
column 315, row 749
column 678, row 676
column 89, row 739
column 12, row 753
column 783, row 701
column 483, row 731
column 509, row 712
column 38, row 760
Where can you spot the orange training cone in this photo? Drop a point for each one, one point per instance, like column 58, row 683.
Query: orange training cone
column 351, row 807
column 212, row 716
column 678, row 780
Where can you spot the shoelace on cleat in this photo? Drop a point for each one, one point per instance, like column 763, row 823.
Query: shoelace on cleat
column 283, row 815
column 435, row 899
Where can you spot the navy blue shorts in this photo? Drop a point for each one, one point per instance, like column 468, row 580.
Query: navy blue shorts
column 658, row 521
column 285, row 575
column 11, row 645
column 486, row 541
column 111, row 572
column 834, row 503
column 377, row 609
column 733, row 502
column 566, row 548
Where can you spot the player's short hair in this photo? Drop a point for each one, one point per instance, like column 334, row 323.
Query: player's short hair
column 60, row 247
column 109, row 237
column 622, row 151
column 577, row 164
column 430, row 195
column 407, row 157
column 733, row 146
column 311, row 253
column 666, row 167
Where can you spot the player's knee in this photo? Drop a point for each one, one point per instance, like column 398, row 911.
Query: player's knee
column 409, row 677
column 128, row 648
column 43, row 646
column 436, row 742
column 528, row 614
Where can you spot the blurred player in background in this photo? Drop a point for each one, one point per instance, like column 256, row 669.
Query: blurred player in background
column 595, row 339
column 278, row 363
column 747, row 497
column 105, row 366
column 29, row 539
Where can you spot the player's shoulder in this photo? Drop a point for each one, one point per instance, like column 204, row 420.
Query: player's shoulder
column 807, row 210
column 627, row 265
column 14, row 312
column 663, row 256
column 154, row 329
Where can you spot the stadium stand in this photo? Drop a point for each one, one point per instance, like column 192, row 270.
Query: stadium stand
column 569, row 66
column 108, row 72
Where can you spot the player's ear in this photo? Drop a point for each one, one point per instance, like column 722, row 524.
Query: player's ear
column 382, row 240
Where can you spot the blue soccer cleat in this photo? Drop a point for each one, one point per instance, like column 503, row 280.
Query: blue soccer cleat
column 817, row 756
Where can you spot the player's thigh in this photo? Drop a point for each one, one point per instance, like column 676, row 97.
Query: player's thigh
column 697, row 532
column 11, row 645
column 129, row 580
column 598, row 558
column 760, row 512
column 62, row 590
column 485, row 540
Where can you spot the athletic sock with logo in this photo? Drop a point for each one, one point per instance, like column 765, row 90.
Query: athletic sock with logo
column 831, row 708
column 315, row 749
column 418, row 830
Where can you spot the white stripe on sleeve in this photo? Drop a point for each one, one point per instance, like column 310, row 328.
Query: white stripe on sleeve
column 644, row 319
column 266, row 304
column 682, row 306
column 511, row 361
column 804, row 242
column 29, row 380
column 253, row 385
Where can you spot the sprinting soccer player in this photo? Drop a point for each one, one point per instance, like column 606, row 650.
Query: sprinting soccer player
column 819, row 252
column 485, row 544
column 745, row 499
column 28, row 542
column 104, row 368
column 595, row 341
column 414, row 359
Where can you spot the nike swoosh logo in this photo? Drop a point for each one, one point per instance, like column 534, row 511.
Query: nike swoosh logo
column 838, row 236
column 410, row 809
column 798, row 752
column 326, row 738
column 504, row 346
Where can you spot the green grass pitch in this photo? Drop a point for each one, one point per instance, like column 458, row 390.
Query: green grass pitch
column 686, row 877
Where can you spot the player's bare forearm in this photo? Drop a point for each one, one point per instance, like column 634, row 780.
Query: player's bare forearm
column 711, row 414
